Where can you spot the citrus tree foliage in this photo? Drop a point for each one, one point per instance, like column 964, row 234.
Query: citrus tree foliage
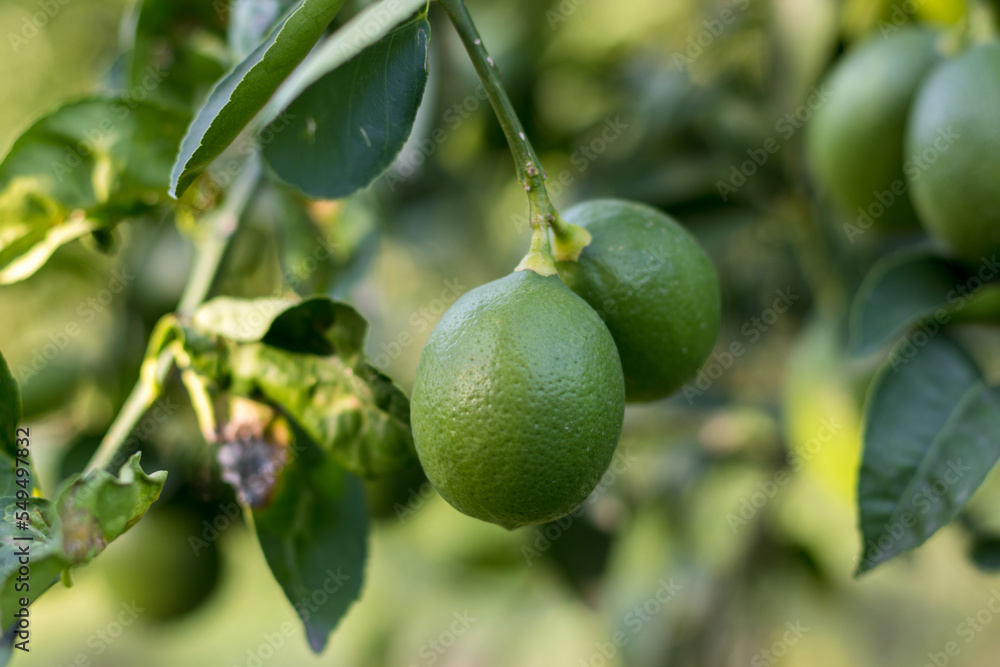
column 296, row 416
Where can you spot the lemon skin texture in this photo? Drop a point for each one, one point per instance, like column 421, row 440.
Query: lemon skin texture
column 855, row 141
column 518, row 401
column 655, row 288
column 955, row 128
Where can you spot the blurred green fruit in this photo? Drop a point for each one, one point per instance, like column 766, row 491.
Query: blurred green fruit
column 518, row 401
column 955, row 135
column 398, row 495
column 855, row 141
column 655, row 288
column 156, row 564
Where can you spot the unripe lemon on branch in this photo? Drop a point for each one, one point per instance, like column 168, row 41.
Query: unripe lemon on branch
column 518, row 401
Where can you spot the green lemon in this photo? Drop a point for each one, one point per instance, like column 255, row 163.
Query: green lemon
column 854, row 142
column 518, row 401
column 655, row 288
column 164, row 564
column 954, row 138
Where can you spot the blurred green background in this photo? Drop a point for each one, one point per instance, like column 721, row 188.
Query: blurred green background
column 724, row 533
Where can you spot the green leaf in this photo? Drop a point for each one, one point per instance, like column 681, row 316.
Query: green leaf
column 904, row 290
column 355, row 414
column 314, row 537
column 363, row 30
column 88, row 514
column 81, row 169
column 243, row 92
column 321, row 327
column 931, row 438
column 10, row 409
column 307, row 357
column 347, row 128
column 240, row 320
column 313, row 326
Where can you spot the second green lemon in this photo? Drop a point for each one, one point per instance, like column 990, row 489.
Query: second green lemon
column 954, row 134
column 855, row 140
column 654, row 286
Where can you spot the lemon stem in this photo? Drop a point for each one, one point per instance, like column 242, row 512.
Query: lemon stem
column 539, row 258
column 116, row 446
column 569, row 239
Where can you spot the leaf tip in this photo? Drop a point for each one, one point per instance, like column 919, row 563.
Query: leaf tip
column 317, row 638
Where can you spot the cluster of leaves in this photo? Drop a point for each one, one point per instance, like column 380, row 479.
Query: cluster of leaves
column 347, row 420
column 931, row 417
column 328, row 117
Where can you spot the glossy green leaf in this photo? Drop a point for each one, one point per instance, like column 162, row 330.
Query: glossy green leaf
column 243, row 92
column 321, row 327
column 931, row 438
column 347, row 128
column 314, row 537
column 88, row 514
column 82, row 168
column 363, row 30
column 903, row 290
column 355, row 414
